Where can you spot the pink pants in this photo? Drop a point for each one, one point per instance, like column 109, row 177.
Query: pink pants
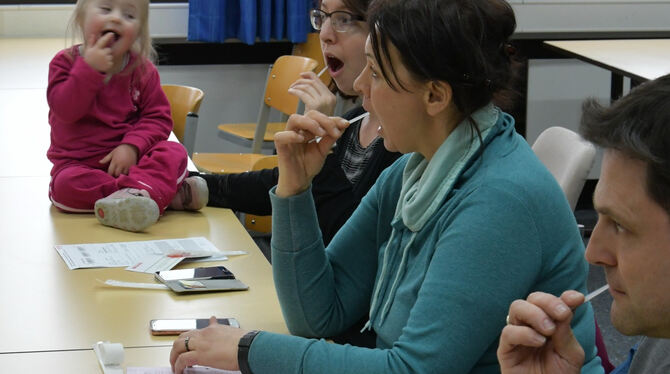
column 76, row 187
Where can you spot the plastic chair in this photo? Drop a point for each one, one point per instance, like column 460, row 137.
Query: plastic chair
column 282, row 74
column 568, row 157
column 184, row 105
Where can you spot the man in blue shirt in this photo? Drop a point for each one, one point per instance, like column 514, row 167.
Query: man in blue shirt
column 631, row 241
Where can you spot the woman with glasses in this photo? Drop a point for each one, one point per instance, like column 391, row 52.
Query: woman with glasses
column 359, row 156
column 467, row 221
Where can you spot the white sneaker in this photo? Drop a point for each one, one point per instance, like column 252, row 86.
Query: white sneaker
column 193, row 194
column 127, row 209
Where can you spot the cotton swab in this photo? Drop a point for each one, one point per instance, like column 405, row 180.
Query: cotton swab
column 322, row 71
column 596, row 293
column 353, row 120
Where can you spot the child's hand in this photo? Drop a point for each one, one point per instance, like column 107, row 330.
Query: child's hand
column 120, row 159
column 98, row 55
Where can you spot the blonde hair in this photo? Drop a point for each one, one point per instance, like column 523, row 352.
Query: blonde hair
column 142, row 46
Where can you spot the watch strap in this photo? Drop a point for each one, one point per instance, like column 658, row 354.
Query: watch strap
column 243, row 351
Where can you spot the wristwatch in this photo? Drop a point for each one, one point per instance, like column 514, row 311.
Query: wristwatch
column 243, row 351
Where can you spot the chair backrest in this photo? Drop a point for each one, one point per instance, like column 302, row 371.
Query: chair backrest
column 184, row 102
column 261, row 224
column 312, row 49
column 283, row 73
column 568, row 157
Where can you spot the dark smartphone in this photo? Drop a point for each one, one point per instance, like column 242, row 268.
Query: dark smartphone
column 177, row 326
column 212, row 272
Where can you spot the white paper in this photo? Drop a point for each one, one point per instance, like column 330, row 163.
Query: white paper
column 190, row 370
column 121, row 254
column 122, row 284
column 152, row 263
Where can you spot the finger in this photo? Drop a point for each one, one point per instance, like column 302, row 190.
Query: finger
column 555, row 307
column 213, row 321
column 525, row 313
column 178, row 347
column 185, row 360
column 565, row 343
column 289, row 137
column 106, row 159
column 310, row 124
column 513, row 336
column 104, row 40
column 308, row 75
column 572, row 298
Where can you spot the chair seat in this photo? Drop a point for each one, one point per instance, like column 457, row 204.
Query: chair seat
column 226, row 163
column 247, row 130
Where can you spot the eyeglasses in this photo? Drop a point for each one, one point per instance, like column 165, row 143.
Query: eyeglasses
column 340, row 20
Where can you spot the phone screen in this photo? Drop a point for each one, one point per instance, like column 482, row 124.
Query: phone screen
column 214, row 272
column 177, row 326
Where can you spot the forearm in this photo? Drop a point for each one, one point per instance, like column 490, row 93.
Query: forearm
column 244, row 192
column 68, row 80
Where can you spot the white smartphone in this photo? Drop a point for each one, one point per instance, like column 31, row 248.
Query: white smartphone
column 177, row 326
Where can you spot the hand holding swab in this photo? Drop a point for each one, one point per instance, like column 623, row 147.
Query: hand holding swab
column 353, row 120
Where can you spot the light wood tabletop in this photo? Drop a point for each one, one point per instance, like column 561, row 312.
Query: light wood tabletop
column 47, row 307
column 638, row 59
column 82, row 361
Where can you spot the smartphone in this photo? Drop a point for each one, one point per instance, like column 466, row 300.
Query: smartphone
column 177, row 326
column 212, row 272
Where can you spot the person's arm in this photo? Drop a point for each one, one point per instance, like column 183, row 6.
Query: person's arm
column 244, row 192
column 154, row 121
column 71, row 77
column 460, row 307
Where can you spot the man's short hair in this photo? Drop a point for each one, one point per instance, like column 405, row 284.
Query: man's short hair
column 638, row 125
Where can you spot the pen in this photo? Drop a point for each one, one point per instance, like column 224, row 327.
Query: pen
column 353, row 120
column 596, row 293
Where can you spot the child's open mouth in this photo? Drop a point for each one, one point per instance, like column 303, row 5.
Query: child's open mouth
column 114, row 39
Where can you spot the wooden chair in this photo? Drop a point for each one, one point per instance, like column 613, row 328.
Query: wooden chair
column 184, row 105
column 312, row 49
column 282, row 74
column 261, row 224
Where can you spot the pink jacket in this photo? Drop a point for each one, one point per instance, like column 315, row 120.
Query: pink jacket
column 89, row 117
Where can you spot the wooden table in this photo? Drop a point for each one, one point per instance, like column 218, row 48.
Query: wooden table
column 638, row 59
column 82, row 361
column 46, row 307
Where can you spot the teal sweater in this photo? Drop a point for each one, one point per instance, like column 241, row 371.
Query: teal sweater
column 502, row 231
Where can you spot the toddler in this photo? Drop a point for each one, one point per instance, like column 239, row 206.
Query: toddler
column 110, row 121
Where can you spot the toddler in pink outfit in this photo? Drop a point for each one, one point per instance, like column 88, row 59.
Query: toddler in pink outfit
column 110, row 121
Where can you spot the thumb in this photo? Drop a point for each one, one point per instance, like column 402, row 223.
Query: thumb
column 213, row 321
column 106, row 159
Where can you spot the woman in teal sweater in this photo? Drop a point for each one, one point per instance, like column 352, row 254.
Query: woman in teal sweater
column 450, row 234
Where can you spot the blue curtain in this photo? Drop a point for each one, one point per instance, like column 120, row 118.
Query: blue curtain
column 248, row 20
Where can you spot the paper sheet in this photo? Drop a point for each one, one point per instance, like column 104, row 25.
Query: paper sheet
column 122, row 254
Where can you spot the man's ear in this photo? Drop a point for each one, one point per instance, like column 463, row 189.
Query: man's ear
column 438, row 97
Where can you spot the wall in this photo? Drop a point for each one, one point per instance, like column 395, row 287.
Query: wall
column 555, row 91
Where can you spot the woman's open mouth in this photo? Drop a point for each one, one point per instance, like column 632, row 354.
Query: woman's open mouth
column 334, row 64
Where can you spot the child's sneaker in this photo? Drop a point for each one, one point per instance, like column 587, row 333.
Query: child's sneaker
column 191, row 195
column 128, row 209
